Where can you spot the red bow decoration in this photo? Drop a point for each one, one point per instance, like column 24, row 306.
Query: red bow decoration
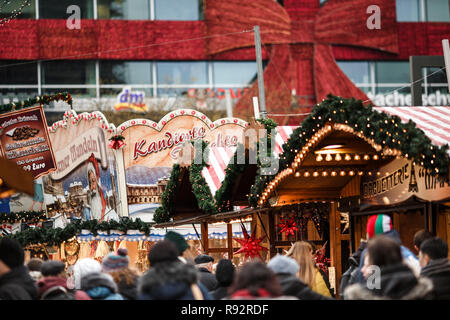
column 288, row 226
column 250, row 245
column 116, row 142
column 299, row 39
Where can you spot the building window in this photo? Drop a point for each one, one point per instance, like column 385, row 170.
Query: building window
column 357, row 71
column 179, row 10
column 68, row 72
column 175, row 78
column 392, row 72
column 422, row 10
column 124, row 9
column 230, row 73
column 408, row 10
column 28, row 12
column 437, row 10
column 18, row 72
column 57, row 9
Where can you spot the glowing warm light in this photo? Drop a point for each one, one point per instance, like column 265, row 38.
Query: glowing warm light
column 324, row 173
column 333, row 173
column 348, row 157
column 297, row 174
column 338, row 157
column 333, row 146
column 306, row 174
column 342, row 173
column 360, row 173
column 328, row 157
column 357, row 157
column 352, row 173
column 366, row 157
column 315, row 174
column 376, row 157
column 319, row 158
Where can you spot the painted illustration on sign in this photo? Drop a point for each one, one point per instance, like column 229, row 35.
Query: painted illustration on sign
column 398, row 181
column 153, row 147
column 85, row 184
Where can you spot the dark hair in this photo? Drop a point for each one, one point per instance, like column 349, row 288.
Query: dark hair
column 435, row 248
column 225, row 272
column 162, row 251
column 11, row 252
column 384, row 251
column 35, row 264
column 254, row 276
column 420, row 236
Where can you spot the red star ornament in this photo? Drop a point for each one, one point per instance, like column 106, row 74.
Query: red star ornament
column 288, row 225
column 250, row 245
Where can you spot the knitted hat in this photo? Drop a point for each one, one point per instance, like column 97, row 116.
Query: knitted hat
column 113, row 262
column 163, row 251
column 178, row 240
column 11, row 253
column 83, row 267
column 282, row 264
column 203, row 258
column 52, row 268
column 378, row 224
column 225, row 271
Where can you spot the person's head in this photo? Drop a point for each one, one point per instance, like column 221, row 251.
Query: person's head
column 383, row 251
column 378, row 224
column 204, row 261
column 432, row 249
column 283, row 265
column 225, row 272
column 35, row 264
column 92, row 178
column 162, row 252
column 84, row 267
column 11, row 255
column 302, row 252
column 53, row 268
column 419, row 237
column 257, row 279
column 178, row 240
column 115, row 262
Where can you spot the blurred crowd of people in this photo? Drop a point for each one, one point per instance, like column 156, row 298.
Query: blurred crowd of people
column 381, row 269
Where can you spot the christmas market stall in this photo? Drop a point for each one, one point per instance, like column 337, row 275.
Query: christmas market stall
column 327, row 172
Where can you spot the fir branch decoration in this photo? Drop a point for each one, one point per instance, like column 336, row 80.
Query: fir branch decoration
column 387, row 131
column 23, row 216
column 42, row 100
column 163, row 212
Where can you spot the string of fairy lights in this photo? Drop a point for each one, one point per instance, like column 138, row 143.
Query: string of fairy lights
column 14, row 13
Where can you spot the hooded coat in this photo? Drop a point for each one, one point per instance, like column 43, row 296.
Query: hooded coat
column 439, row 272
column 55, row 288
column 170, row 281
column 349, row 276
column 397, row 282
column 18, row 285
column 292, row 286
column 100, row 286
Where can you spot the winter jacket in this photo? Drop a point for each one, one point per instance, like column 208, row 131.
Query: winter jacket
column 170, row 281
column 221, row 292
column 292, row 286
column 321, row 284
column 349, row 276
column 263, row 294
column 207, row 279
column 439, row 273
column 100, row 286
column 55, row 288
column 409, row 258
column 18, row 285
column 397, row 282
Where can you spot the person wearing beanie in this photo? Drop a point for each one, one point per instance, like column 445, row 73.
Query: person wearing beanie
column 381, row 224
column 225, row 272
column 15, row 280
column 53, row 285
column 117, row 265
column 180, row 243
column 34, row 267
column 168, row 278
column 203, row 262
column 82, row 268
column 100, row 286
column 286, row 269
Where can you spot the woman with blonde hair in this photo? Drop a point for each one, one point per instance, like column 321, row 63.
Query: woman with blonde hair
column 302, row 252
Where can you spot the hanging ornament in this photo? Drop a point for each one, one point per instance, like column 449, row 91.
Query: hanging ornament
column 287, row 226
column 250, row 245
column 321, row 260
column 116, row 142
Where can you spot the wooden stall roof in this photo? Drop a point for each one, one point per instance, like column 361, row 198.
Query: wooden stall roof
column 225, row 216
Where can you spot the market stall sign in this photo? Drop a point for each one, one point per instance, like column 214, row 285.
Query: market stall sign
column 129, row 100
column 398, row 181
column 24, row 139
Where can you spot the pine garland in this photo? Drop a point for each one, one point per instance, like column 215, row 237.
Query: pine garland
column 385, row 130
column 163, row 212
column 41, row 100
column 56, row 236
